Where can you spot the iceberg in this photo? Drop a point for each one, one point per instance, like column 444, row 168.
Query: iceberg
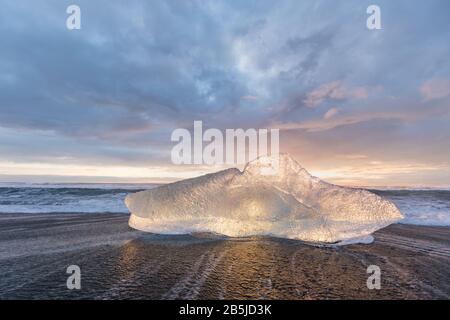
column 290, row 203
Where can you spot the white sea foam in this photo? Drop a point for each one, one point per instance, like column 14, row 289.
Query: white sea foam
column 291, row 204
column 420, row 210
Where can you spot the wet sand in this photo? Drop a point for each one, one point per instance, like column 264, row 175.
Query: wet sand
column 118, row 262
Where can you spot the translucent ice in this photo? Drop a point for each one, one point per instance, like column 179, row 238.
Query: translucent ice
column 290, row 204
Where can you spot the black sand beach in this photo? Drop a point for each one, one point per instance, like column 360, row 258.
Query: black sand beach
column 118, row 262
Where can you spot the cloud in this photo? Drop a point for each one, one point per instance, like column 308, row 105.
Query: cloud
column 112, row 92
column 249, row 98
column 435, row 89
column 333, row 122
column 376, row 173
column 335, row 90
column 331, row 113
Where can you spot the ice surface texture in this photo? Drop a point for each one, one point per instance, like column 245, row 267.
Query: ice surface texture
column 289, row 204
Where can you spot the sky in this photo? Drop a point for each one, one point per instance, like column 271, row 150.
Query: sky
column 354, row 106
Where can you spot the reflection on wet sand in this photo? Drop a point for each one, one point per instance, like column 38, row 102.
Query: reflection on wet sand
column 118, row 263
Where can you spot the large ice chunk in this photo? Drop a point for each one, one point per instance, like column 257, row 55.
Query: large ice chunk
column 289, row 204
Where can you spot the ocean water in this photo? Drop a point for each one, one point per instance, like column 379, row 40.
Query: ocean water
column 420, row 207
column 66, row 198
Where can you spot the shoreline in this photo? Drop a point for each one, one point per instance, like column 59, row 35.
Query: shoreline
column 118, row 262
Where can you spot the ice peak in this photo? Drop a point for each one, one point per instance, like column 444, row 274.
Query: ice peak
column 281, row 165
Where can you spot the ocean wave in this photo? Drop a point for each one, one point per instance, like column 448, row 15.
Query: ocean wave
column 41, row 198
column 421, row 207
